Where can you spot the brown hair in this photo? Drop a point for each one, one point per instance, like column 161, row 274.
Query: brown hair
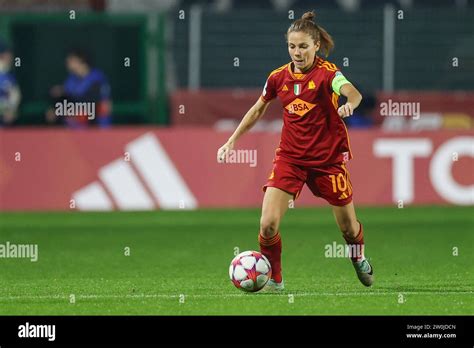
column 307, row 25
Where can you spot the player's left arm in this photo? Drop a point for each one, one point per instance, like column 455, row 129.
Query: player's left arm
column 341, row 86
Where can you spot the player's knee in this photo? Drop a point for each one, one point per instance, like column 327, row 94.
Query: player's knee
column 268, row 226
column 349, row 228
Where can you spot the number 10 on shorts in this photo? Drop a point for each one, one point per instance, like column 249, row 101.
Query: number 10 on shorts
column 341, row 182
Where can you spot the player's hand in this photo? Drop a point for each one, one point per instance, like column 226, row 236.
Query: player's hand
column 345, row 110
column 224, row 151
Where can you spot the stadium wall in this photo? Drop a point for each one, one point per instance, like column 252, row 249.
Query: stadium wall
column 150, row 168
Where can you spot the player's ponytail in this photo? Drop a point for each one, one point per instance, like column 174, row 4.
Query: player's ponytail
column 308, row 25
column 327, row 43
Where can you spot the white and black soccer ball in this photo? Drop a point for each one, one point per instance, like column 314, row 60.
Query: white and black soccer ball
column 250, row 271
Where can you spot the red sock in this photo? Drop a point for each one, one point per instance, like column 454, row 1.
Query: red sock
column 271, row 248
column 356, row 245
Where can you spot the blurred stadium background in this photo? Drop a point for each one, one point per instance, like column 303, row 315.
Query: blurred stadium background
column 181, row 74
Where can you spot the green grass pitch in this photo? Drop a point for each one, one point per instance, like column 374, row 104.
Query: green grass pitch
column 178, row 263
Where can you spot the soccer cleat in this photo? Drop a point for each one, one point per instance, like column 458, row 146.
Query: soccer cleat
column 273, row 286
column 364, row 271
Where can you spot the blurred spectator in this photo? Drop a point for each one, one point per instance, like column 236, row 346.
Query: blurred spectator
column 10, row 95
column 85, row 84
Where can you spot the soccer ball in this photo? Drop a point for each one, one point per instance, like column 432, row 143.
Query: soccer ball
column 250, row 271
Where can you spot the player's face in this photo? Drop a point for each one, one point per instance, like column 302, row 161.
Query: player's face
column 302, row 49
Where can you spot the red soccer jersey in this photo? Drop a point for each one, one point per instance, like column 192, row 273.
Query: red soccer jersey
column 313, row 133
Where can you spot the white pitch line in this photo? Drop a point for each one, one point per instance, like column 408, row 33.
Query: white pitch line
column 242, row 295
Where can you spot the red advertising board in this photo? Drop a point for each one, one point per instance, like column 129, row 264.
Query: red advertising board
column 152, row 168
column 208, row 106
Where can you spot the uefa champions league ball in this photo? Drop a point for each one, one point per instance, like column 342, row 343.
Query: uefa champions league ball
column 250, row 271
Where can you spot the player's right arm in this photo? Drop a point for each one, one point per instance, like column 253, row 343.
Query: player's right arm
column 250, row 118
column 248, row 121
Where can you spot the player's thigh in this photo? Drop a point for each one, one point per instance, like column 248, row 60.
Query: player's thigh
column 283, row 185
column 275, row 204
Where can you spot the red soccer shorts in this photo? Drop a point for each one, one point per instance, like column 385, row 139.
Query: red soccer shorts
column 330, row 182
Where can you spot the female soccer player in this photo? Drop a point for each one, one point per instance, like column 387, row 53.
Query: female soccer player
column 314, row 145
